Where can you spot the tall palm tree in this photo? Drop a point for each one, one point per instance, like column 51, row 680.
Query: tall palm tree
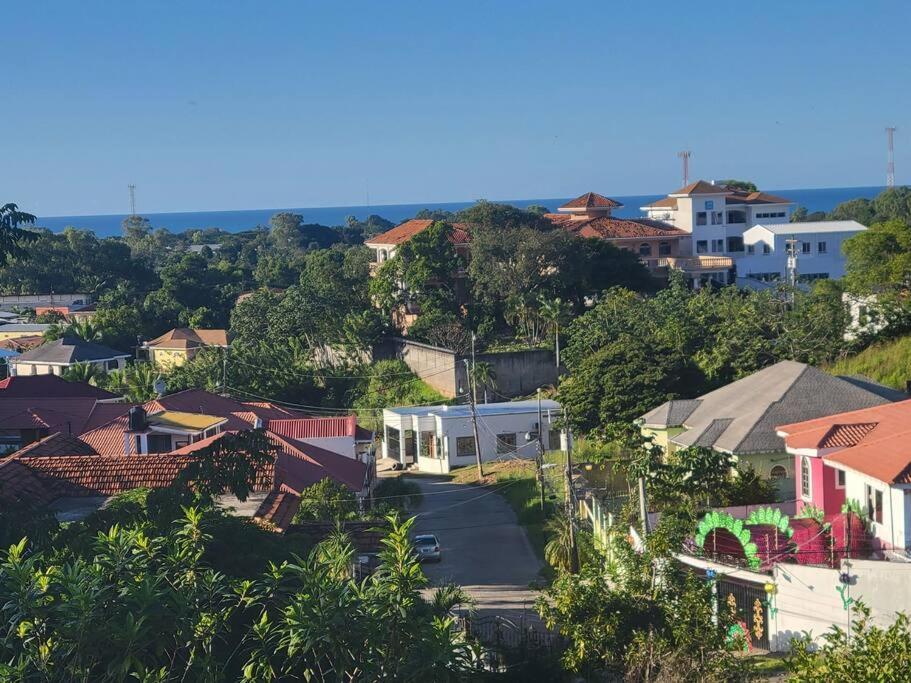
column 83, row 329
column 555, row 311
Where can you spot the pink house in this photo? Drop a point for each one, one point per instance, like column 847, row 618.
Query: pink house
column 862, row 458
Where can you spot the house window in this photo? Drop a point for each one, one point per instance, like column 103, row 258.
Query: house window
column 839, row 479
column 874, row 503
column 553, row 440
column 805, row 247
column 702, row 246
column 737, row 217
column 717, row 218
column 645, row 249
column 778, row 473
column 717, row 245
column 766, row 249
column 805, row 477
column 112, row 365
column 751, row 248
column 393, row 442
column 506, row 443
column 137, row 444
column 709, row 204
column 701, row 217
column 735, row 244
column 465, row 446
column 821, row 247
column 159, row 443
column 664, row 249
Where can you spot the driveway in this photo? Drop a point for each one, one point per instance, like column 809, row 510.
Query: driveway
column 484, row 549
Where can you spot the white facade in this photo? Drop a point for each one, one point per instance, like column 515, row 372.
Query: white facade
column 26, row 367
column 439, row 438
column 888, row 513
column 818, row 249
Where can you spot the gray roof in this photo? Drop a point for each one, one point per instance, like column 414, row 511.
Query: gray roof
column 37, row 328
column 461, row 411
column 741, row 417
column 68, row 350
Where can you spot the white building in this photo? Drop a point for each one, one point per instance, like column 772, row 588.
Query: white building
column 438, row 438
column 717, row 216
column 818, row 249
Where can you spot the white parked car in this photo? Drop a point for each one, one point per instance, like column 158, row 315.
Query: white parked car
column 427, row 547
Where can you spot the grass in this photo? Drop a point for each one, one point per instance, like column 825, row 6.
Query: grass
column 520, row 489
column 769, row 665
column 888, row 363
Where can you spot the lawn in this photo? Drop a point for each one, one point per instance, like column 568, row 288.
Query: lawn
column 888, row 363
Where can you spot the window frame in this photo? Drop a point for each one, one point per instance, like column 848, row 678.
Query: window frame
column 645, row 249
column 504, row 439
column 775, row 476
column 702, row 246
column 701, row 218
column 840, row 479
column 460, row 442
column 806, row 483
column 822, row 247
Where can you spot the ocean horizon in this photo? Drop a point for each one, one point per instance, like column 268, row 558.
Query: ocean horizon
column 108, row 225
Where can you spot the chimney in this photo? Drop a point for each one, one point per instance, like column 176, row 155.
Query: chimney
column 137, row 419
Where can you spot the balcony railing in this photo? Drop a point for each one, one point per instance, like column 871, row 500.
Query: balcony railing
column 694, row 264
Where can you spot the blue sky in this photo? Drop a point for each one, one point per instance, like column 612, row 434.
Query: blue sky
column 233, row 105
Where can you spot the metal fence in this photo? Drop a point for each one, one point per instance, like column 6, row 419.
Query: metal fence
column 500, row 632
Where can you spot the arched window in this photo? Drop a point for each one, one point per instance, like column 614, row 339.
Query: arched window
column 664, row 248
column 805, row 477
column 778, row 472
column 645, row 249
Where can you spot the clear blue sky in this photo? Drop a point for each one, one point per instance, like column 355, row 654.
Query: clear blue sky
column 231, row 105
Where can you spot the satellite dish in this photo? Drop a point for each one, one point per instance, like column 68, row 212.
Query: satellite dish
column 159, row 386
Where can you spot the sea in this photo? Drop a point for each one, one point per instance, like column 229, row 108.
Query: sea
column 818, row 199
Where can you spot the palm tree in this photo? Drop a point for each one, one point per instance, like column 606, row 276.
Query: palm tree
column 136, row 382
column 484, row 375
column 555, row 311
column 83, row 329
column 559, row 549
column 88, row 373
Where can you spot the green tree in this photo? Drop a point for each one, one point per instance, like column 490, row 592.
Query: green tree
column 745, row 185
column 326, row 500
column 233, row 463
column 89, row 373
column 12, row 237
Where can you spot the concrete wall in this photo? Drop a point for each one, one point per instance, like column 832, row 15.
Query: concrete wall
column 9, row 301
column 807, row 598
column 518, row 373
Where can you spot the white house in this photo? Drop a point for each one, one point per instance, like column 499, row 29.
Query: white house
column 53, row 358
column 817, row 249
column 438, row 438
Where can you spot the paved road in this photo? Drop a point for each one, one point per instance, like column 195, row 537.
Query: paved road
column 484, row 549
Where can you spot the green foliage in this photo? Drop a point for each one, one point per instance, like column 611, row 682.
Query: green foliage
column 771, row 517
column 231, row 463
column 391, row 383
column 396, row 493
column 887, row 362
column 148, row 605
column 326, row 500
column 641, row 617
column 865, row 653
column 745, row 185
column 630, row 353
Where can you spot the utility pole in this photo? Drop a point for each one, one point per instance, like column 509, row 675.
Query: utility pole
column 132, row 189
column 890, row 168
column 570, row 508
column 792, row 266
column 685, row 156
column 643, row 507
column 224, row 371
column 474, row 423
column 541, row 452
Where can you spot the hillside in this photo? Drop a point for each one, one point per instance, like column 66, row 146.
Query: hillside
column 888, row 363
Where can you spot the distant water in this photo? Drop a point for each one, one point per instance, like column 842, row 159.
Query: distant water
column 823, row 199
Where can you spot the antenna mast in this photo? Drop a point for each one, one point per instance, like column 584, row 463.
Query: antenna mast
column 132, row 189
column 792, row 264
column 890, row 168
column 685, row 156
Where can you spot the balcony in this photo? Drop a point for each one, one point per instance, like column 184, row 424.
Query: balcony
column 697, row 264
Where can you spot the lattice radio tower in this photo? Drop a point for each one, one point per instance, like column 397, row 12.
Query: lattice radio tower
column 685, row 156
column 890, row 168
column 132, row 189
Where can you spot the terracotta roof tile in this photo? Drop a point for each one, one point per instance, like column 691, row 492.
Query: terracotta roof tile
column 701, row 187
column 278, row 509
column 184, row 337
column 19, row 484
column 606, row 227
column 877, row 441
column 315, row 427
column 404, row 232
column 591, row 200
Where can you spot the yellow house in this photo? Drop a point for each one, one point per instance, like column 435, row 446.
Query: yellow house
column 20, row 330
column 182, row 344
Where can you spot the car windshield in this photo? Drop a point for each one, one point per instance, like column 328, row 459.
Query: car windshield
column 425, row 540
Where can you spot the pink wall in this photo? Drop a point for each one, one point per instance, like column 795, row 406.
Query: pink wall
column 823, row 492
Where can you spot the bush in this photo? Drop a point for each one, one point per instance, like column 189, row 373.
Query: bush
column 326, row 500
column 396, row 493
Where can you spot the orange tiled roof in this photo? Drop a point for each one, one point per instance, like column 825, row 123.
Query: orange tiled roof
column 665, row 203
column 278, row 509
column 315, row 427
column 56, row 444
column 184, row 337
column 591, row 200
column 607, row 227
column 408, row 229
column 874, row 441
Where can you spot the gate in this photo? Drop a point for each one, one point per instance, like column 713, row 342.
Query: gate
column 747, row 602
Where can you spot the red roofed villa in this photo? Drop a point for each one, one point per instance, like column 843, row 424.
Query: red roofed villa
column 861, row 457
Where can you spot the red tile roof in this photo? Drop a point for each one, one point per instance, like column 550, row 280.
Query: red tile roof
column 874, row 441
column 591, row 200
column 278, row 509
column 184, row 337
column 315, row 427
column 408, row 229
column 606, row 227
column 741, row 197
column 19, row 484
column 51, row 386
